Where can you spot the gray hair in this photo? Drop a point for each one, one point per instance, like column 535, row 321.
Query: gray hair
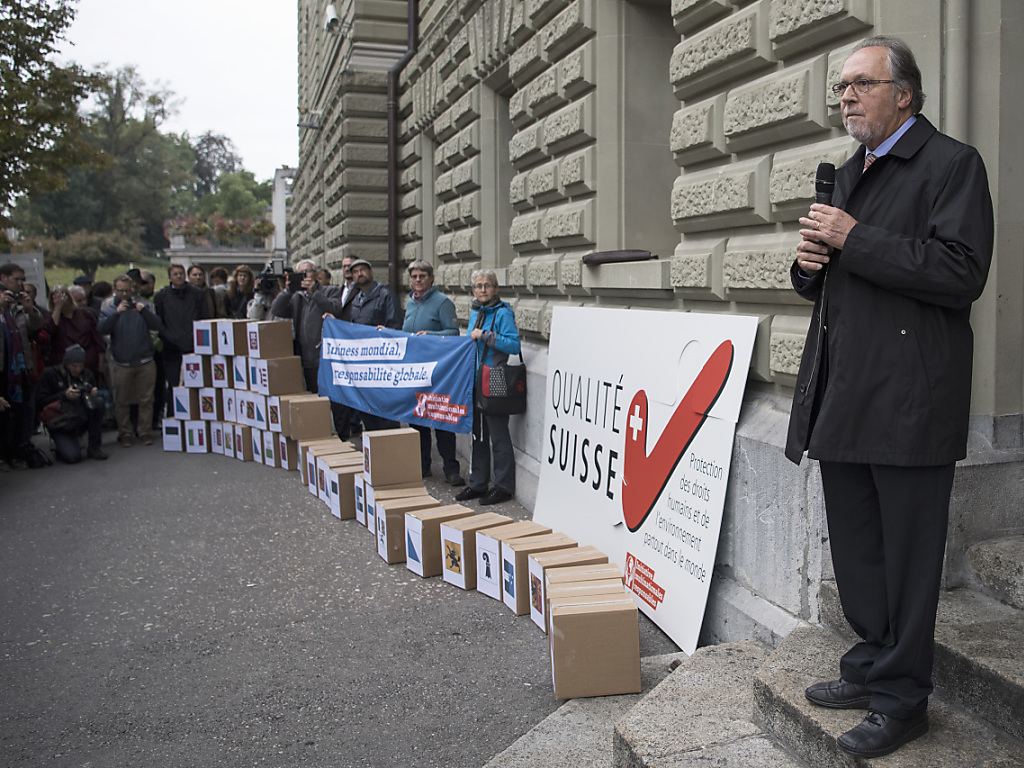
column 903, row 67
column 312, row 265
column 486, row 274
column 422, row 266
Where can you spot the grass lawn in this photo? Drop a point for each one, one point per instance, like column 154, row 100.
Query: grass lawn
column 67, row 275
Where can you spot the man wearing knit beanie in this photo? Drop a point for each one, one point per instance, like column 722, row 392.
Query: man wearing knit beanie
column 69, row 404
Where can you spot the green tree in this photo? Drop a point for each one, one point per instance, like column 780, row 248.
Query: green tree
column 41, row 131
column 86, row 251
column 238, row 196
column 215, row 155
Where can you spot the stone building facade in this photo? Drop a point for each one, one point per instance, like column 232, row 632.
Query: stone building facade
column 534, row 132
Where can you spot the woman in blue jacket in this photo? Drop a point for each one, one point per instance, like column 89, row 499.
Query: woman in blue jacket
column 492, row 326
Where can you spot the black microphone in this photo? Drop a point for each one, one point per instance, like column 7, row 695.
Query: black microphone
column 824, row 183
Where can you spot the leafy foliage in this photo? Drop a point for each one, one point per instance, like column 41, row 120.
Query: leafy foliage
column 87, row 251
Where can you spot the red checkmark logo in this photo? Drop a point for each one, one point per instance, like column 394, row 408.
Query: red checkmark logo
column 644, row 476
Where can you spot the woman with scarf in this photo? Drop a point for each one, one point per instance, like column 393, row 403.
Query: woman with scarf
column 493, row 327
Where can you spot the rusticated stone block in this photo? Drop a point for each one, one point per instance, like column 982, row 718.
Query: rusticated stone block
column 690, row 15
column 577, row 72
column 542, row 186
column 570, row 28
column 732, row 48
column 444, row 187
column 443, row 127
column 466, row 242
column 577, row 173
column 443, row 244
column 525, row 231
column 791, row 184
column 519, row 27
column 466, row 176
column 469, row 140
column 411, row 252
column 539, row 11
column 355, row 226
column 363, row 105
column 411, row 228
column 463, row 306
column 452, row 214
column 466, row 109
column 570, row 269
column 517, row 191
column 411, row 151
column 368, row 179
column 787, row 343
column 571, row 126
column 737, row 195
column 572, row 223
column 527, row 61
column 469, row 208
column 517, row 111
column 761, row 269
column 542, row 94
column 696, row 133
column 527, row 146
column 370, row 203
column 691, row 270
column 411, row 202
column 515, row 275
column 543, row 272
column 795, row 25
column 439, row 218
column 529, row 315
column 410, row 178
column 778, row 107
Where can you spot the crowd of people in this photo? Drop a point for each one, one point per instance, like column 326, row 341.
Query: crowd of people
column 125, row 340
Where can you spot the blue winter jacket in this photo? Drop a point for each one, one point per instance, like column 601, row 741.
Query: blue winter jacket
column 433, row 313
column 501, row 337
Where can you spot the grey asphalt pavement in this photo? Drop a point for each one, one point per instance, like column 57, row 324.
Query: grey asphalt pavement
column 163, row 609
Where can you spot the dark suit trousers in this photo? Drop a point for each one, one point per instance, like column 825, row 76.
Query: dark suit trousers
column 887, row 527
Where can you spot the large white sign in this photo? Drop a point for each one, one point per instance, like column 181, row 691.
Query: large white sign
column 640, row 412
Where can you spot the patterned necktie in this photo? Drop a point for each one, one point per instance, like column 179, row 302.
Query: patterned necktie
column 868, row 160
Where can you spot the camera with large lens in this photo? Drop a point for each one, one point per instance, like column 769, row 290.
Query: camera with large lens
column 92, row 402
column 266, row 281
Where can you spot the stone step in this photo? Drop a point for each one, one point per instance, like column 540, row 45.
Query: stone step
column 810, row 654
column 979, row 653
column 580, row 731
column 998, row 566
column 700, row 715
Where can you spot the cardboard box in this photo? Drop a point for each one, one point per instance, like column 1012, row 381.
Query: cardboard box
column 229, row 440
column 542, row 563
column 577, row 573
column 173, row 435
column 458, row 540
column 423, row 537
column 285, row 401
column 269, row 449
column 185, row 403
column 210, row 406
column 287, row 452
column 580, row 592
column 252, row 409
column 325, row 463
column 595, row 649
column 374, row 495
column 256, row 443
column 220, row 372
column 309, row 418
column 204, row 342
column 276, row 376
column 270, row 338
column 197, row 437
column 515, row 582
column 217, row 437
column 195, row 371
column 309, row 455
column 359, row 497
column 392, row 456
column 243, row 442
column 230, row 337
column 341, row 485
column 274, row 413
column 488, row 553
column 228, row 399
column 240, row 372
column 390, row 521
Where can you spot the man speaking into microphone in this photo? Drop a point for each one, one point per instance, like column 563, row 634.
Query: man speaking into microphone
column 883, row 395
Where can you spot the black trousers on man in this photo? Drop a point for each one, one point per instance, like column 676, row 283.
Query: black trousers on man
column 887, row 528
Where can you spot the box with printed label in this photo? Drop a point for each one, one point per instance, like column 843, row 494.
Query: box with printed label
column 229, row 440
column 341, row 485
column 312, row 453
column 309, row 418
column 230, row 337
column 269, row 449
column 173, row 440
column 255, row 414
column 195, row 371
column 210, row 405
column 243, row 442
column 274, row 413
column 390, row 521
column 488, row 553
column 374, row 495
column 256, row 441
column 229, row 401
column 392, row 456
column 287, row 452
column 270, row 338
column 581, row 591
column 458, row 544
column 186, row 403
column 542, row 563
column 217, row 437
column 197, row 437
column 359, row 497
column 595, row 648
column 515, row 572
column 285, row 410
column 240, row 372
column 220, row 372
column 276, row 376
column 203, row 340
column 325, row 463
column 423, row 537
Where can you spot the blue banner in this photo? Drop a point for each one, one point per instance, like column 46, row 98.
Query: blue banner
column 425, row 380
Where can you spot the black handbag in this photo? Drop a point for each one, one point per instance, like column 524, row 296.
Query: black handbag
column 501, row 389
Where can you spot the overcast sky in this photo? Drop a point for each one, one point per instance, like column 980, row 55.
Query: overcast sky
column 232, row 66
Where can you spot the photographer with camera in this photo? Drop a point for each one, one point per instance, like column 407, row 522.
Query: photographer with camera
column 70, row 405
column 20, row 322
column 128, row 323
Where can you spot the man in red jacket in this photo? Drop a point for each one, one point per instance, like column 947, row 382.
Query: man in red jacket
column 883, row 395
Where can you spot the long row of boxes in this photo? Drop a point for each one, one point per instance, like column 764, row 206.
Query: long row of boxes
column 242, row 395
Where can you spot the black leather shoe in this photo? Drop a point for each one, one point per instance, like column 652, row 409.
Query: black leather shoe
column 839, row 694
column 495, row 496
column 454, row 480
column 469, row 493
column 880, row 734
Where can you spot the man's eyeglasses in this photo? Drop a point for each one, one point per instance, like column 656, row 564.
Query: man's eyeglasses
column 860, row 87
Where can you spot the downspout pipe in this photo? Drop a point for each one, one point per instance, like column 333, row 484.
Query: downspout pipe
column 394, row 257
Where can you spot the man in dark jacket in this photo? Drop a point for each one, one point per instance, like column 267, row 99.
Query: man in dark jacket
column 883, row 394
column 73, row 387
column 128, row 323
column 306, row 307
column 178, row 305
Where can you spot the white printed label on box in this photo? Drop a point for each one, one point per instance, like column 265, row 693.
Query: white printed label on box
column 192, row 371
column 220, row 372
column 382, row 536
column 229, row 440
column 270, row 449
column 274, row 413
column 172, row 435
column 311, row 473
column 240, row 371
column 488, row 566
column 209, row 407
column 321, row 481
column 414, row 544
column 217, row 437
column 197, row 437
column 202, row 337
column 451, row 549
column 239, row 443
column 182, row 403
column 538, row 591
column 229, row 398
column 332, row 493
column 371, row 507
column 358, row 490
column 508, row 577
column 256, row 437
